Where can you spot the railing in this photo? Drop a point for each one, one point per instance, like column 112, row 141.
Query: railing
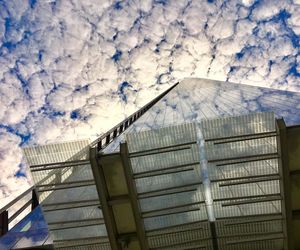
column 117, row 130
column 101, row 142
column 5, row 219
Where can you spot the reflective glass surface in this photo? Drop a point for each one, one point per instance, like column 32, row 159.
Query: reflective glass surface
column 29, row 232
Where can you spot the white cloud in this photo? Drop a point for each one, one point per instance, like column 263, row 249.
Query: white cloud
column 266, row 9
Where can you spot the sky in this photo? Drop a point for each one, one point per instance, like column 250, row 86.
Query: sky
column 72, row 69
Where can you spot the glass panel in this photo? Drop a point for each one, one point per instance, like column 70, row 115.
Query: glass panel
column 32, row 229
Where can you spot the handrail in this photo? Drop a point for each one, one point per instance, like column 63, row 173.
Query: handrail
column 7, row 206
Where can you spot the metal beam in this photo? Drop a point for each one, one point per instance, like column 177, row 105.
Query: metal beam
column 133, row 196
column 285, row 189
column 34, row 200
column 104, row 197
column 275, row 156
column 149, row 172
column 170, row 190
column 214, row 236
column 161, row 149
column 242, row 137
column 256, row 219
column 272, row 134
column 251, row 179
column 243, row 157
column 3, row 223
column 64, row 163
column 244, row 177
column 64, row 185
column 183, row 210
column 70, row 205
column 160, row 230
column 262, row 237
column 173, row 149
column 250, row 201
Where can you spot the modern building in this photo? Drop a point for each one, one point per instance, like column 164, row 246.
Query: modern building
column 206, row 165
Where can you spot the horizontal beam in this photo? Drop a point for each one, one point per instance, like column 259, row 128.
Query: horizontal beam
column 251, row 180
column 65, row 186
column 246, row 197
column 185, row 210
column 160, row 230
column 70, row 205
column 247, row 216
column 75, row 223
column 249, row 201
column 162, row 148
column 178, row 230
column 254, row 220
column 242, row 158
column 248, row 160
column 242, row 136
column 261, row 237
column 183, row 245
column 174, row 149
column 166, row 209
column 243, row 177
column 66, row 163
column 169, row 190
column 272, row 134
column 145, row 173
column 166, row 172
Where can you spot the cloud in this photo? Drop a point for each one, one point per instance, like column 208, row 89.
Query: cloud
column 62, row 62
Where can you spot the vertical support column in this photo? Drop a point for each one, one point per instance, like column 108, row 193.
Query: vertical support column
column 104, row 197
column 115, row 133
column 133, row 196
column 214, row 237
column 34, row 200
column 284, row 184
column 121, row 129
column 3, row 223
column 99, row 145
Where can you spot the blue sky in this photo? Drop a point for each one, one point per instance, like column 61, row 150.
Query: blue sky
column 73, row 69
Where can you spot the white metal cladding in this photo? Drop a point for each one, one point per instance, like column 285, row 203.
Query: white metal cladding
column 245, row 169
column 242, row 166
column 57, row 152
column 192, row 232
column 265, row 242
column 238, row 125
column 240, row 148
column 170, row 159
column 67, row 193
column 89, row 245
column 159, row 138
column 162, row 164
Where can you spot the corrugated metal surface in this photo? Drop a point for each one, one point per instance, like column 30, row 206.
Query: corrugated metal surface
column 65, row 184
column 243, row 170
